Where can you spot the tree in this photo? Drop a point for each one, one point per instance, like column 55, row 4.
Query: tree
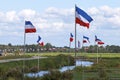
column 48, row 46
column 9, row 44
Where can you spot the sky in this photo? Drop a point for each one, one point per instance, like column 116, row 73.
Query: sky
column 54, row 21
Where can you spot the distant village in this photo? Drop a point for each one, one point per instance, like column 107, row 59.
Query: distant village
column 19, row 49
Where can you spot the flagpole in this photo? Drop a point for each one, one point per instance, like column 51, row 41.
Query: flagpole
column 68, row 55
column 75, row 33
column 38, row 57
column 24, row 53
column 97, row 53
column 83, row 51
column 69, row 44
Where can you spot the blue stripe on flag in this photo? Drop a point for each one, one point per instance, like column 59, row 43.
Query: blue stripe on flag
column 84, row 14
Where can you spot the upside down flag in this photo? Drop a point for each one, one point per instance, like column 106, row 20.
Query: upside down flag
column 29, row 28
column 71, row 37
column 39, row 41
column 98, row 41
column 82, row 17
column 85, row 39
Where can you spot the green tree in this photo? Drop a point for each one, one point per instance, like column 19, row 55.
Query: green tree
column 48, row 46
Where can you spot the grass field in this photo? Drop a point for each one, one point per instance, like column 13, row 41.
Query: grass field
column 90, row 55
column 110, row 61
column 49, row 54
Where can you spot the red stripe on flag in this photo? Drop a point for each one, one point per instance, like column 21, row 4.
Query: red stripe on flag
column 71, row 39
column 41, row 44
column 30, row 30
column 100, row 42
column 78, row 21
column 84, row 41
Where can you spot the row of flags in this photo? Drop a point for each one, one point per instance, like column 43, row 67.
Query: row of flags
column 29, row 28
column 81, row 18
column 86, row 40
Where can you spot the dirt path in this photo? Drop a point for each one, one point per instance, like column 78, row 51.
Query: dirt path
column 19, row 59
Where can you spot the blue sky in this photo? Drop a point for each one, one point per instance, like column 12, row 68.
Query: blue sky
column 54, row 21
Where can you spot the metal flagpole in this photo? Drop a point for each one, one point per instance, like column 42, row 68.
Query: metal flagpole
column 97, row 53
column 24, row 54
column 75, row 34
column 68, row 55
column 97, row 50
column 70, row 45
column 83, row 51
column 38, row 57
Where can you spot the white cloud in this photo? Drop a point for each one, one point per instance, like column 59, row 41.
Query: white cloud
column 12, row 16
column 106, row 17
column 27, row 14
column 54, row 22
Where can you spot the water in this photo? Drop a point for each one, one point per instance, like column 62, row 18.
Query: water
column 63, row 69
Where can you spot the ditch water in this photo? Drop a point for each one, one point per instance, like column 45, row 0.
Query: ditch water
column 64, row 68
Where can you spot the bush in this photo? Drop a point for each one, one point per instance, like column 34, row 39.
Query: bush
column 15, row 73
column 57, row 75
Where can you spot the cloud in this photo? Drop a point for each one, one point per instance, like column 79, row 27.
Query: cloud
column 56, row 22
column 106, row 17
column 27, row 14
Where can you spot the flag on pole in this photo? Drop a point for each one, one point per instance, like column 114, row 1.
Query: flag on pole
column 39, row 38
column 85, row 39
column 39, row 41
column 82, row 17
column 98, row 41
column 71, row 37
column 29, row 28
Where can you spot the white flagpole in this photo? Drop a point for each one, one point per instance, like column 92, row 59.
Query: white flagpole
column 83, row 51
column 75, row 34
column 68, row 55
column 97, row 53
column 24, row 53
column 70, row 45
column 38, row 57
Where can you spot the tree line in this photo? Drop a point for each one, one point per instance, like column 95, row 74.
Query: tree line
column 48, row 47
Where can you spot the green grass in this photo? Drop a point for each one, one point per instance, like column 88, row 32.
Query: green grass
column 103, row 55
column 111, row 73
column 110, row 61
column 50, row 54
column 90, row 55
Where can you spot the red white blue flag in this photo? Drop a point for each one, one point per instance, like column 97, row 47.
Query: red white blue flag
column 85, row 39
column 82, row 17
column 71, row 37
column 98, row 41
column 39, row 41
column 29, row 28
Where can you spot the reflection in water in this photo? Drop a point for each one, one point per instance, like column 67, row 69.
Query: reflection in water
column 65, row 68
